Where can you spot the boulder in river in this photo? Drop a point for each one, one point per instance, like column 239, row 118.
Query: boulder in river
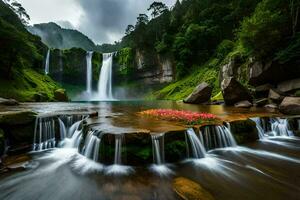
column 263, row 90
column 290, row 106
column 275, row 96
column 201, row 94
column 189, row 190
column 8, row 102
column 234, row 92
column 243, row 104
column 289, row 85
column 61, row 95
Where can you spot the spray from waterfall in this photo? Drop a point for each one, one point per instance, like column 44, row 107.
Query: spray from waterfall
column 89, row 72
column 105, row 79
column 47, row 62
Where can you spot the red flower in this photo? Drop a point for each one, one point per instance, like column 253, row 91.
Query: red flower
column 181, row 116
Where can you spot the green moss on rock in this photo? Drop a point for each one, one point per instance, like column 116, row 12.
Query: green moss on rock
column 244, row 131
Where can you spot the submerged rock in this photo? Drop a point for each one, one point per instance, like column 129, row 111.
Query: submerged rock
column 201, row 94
column 234, row 92
column 61, row 95
column 8, row 102
column 271, row 106
column 243, row 104
column 189, row 190
column 290, row 106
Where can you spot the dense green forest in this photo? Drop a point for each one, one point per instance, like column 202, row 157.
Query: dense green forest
column 21, row 58
column 201, row 36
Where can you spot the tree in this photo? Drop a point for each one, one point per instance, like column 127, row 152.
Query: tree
column 142, row 19
column 157, row 8
column 129, row 29
column 19, row 10
column 294, row 7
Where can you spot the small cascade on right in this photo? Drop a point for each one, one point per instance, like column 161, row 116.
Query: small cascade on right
column 105, row 79
column 47, row 62
column 214, row 137
column 272, row 127
column 195, row 146
column 280, row 127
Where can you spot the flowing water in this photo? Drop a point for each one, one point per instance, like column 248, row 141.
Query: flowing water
column 105, row 79
column 47, row 62
column 89, row 72
column 91, row 162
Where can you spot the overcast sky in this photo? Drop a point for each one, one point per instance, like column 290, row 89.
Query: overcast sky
column 104, row 21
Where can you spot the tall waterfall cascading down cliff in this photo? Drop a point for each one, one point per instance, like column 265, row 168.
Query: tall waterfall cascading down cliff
column 47, row 62
column 89, row 72
column 105, row 79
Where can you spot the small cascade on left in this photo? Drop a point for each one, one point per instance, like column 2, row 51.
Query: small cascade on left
column 47, row 62
column 44, row 134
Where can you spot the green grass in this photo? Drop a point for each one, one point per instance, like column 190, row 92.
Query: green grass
column 183, row 88
column 27, row 84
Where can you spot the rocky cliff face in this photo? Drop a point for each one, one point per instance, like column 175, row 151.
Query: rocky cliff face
column 70, row 66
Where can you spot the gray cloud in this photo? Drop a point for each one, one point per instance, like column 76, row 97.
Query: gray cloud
column 106, row 20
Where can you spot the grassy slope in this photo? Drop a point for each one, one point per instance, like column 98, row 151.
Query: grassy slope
column 182, row 88
column 27, row 84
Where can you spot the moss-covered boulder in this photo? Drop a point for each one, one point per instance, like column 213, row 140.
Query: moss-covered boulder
column 61, row 95
column 187, row 189
column 244, row 131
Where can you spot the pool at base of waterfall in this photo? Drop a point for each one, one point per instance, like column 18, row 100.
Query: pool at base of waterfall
column 106, row 150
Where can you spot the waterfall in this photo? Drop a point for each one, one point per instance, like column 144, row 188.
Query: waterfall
column 158, row 149
column 217, row 137
column 261, row 132
column 62, row 129
column 118, row 149
column 280, row 127
column 47, row 62
column 44, row 134
column 198, row 151
column 89, row 71
column 274, row 127
column 92, row 146
column 105, row 79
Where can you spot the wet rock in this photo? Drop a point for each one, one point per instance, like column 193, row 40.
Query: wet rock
column 243, row 104
column 290, row 106
column 263, row 90
column 261, row 102
column 275, row 96
column 61, row 95
column 8, row 102
column 17, row 117
column 289, row 85
column 271, row 106
column 234, row 92
column 201, row 94
column 190, row 190
column 244, row 131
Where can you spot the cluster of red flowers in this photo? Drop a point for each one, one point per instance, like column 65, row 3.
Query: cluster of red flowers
column 187, row 117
